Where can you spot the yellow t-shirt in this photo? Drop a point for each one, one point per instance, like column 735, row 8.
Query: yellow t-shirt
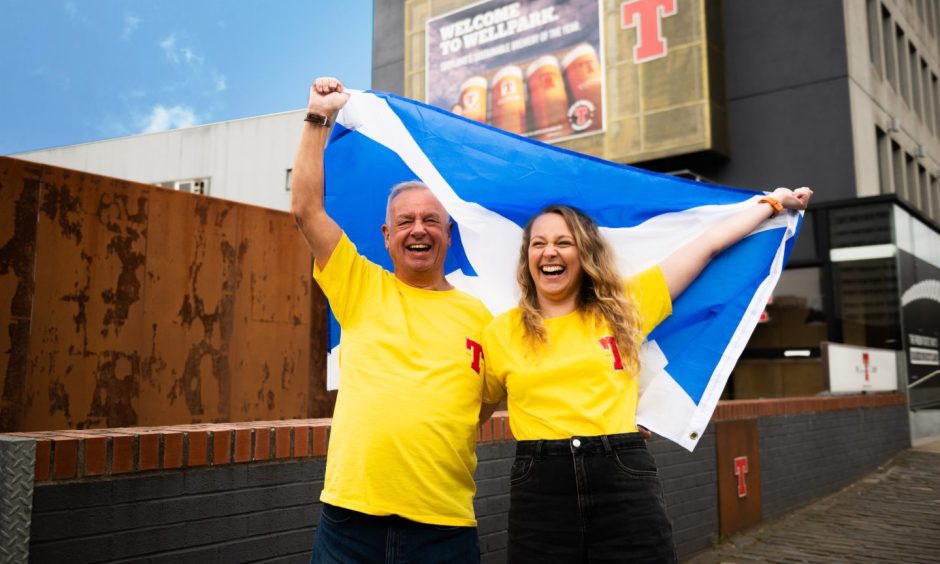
column 573, row 385
column 404, row 428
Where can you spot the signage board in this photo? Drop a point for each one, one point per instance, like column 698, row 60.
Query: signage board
column 851, row 369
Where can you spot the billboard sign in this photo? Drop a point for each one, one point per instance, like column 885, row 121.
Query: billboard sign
column 531, row 67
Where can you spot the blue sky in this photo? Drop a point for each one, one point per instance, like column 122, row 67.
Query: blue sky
column 82, row 70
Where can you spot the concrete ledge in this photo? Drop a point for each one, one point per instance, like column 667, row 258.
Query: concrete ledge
column 96, row 453
column 750, row 409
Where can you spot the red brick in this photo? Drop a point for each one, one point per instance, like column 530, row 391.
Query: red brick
column 149, row 451
column 262, row 444
column 198, row 448
column 301, row 441
column 221, row 446
column 122, row 454
column 319, row 440
column 65, row 454
column 43, row 456
column 499, row 429
column 486, row 431
column 282, row 442
column 95, row 456
column 172, row 450
column 242, row 445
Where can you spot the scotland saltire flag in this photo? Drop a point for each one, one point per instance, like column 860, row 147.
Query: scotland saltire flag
column 491, row 182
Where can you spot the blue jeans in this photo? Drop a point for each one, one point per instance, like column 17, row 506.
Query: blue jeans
column 587, row 499
column 345, row 537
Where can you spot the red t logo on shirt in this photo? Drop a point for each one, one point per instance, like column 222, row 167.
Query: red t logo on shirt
column 611, row 345
column 477, row 349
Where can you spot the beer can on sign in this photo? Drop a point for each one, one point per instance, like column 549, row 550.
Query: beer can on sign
column 509, row 100
column 548, row 99
column 583, row 74
column 473, row 98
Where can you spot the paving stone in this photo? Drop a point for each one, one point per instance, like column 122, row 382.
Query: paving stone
column 890, row 515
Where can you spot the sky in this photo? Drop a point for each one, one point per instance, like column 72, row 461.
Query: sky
column 75, row 71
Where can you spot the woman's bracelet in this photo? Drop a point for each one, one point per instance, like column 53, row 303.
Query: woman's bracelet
column 772, row 202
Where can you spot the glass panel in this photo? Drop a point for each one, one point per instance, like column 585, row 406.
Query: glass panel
column 866, row 298
column 860, row 225
column 793, row 322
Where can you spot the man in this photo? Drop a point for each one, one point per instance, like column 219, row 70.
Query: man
column 399, row 474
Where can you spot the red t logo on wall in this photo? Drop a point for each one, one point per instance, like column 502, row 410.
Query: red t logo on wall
column 865, row 362
column 740, row 470
column 477, row 349
column 646, row 16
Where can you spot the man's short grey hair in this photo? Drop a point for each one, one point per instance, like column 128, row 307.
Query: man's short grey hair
column 398, row 189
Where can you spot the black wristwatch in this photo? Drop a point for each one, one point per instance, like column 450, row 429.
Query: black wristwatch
column 317, row 119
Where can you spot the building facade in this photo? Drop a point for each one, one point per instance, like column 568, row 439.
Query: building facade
column 840, row 95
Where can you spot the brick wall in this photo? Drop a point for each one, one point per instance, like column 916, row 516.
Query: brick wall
column 691, row 494
column 809, row 455
column 248, row 491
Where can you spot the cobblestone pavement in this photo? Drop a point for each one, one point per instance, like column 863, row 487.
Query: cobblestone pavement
column 891, row 515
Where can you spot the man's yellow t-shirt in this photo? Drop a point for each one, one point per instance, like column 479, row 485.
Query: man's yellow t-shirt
column 404, row 428
column 576, row 384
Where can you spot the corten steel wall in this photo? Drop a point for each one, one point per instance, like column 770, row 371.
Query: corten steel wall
column 127, row 304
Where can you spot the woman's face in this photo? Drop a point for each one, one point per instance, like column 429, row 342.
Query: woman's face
column 554, row 263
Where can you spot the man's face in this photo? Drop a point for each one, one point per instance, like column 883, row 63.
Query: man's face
column 417, row 236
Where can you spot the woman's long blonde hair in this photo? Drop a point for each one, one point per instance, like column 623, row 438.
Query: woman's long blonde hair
column 603, row 292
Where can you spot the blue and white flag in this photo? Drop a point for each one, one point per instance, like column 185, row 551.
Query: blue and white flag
column 491, row 182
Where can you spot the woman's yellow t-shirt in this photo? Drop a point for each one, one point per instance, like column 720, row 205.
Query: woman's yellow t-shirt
column 575, row 384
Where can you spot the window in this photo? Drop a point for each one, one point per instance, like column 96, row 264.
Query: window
column 935, row 100
column 928, row 100
column 934, row 198
column 866, row 300
column 191, row 185
column 910, row 179
column 904, row 84
column 874, row 36
column 897, row 161
column 923, row 192
column 884, row 161
column 794, row 321
column 887, row 34
column 912, row 60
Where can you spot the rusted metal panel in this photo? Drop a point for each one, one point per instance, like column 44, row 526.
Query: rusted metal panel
column 155, row 307
column 88, row 320
column 739, row 478
column 19, row 198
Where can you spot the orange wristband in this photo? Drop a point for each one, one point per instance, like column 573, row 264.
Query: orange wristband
column 773, row 202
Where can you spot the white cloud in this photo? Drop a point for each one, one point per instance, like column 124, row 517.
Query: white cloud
column 71, row 9
column 130, row 25
column 162, row 118
column 219, row 80
column 169, row 48
column 177, row 52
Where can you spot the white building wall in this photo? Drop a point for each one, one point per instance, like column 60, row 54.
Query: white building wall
column 876, row 102
column 246, row 160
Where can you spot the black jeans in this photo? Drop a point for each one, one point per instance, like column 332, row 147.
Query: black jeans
column 587, row 499
column 348, row 537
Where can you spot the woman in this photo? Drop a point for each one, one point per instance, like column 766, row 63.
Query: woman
column 583, row 486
